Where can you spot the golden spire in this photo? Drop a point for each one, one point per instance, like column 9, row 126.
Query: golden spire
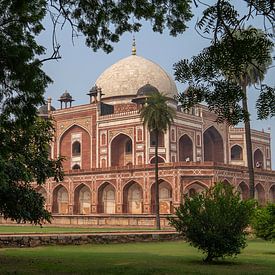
column 134, row 50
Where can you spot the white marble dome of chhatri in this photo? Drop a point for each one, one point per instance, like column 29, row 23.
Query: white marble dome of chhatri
column 125, row 77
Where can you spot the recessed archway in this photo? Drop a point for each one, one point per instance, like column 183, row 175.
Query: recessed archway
column 60, row 200
column 258, row 159
column 165, row 197
column 185, row 148
column 244, row 190
column 132, row 198
column 236, row 152
column 194, row 188
column 272, row 194
column 121, row 150
column 213, row 145
column 260, row 194
column 82, row 200
column 106, row 198
column 153, row 139
column 160, row 160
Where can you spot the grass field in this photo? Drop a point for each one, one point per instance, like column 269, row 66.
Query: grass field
column 136, row 258
column 17, row 229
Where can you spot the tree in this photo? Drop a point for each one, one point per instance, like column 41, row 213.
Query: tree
column 214, row 221
column 263, row 222
column 157, row 116
column 220, row 75
column 253, row 73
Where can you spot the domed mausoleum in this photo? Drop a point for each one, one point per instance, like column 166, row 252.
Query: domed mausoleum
column 109, row 153
column 121, row 81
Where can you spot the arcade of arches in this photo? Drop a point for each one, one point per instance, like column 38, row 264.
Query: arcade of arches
column 131, row 198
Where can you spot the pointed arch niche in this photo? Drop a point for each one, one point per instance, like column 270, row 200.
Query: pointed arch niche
column 194, row 188
column 213, row 145
column 107, row 198
column 185, row 148
column 260, row 194
column 165, row 197
column 82, row 200
column 121, row 150
column 132, row 198
column 244, row 190
column 60, row 200
column 272, row 194
column 258, row 159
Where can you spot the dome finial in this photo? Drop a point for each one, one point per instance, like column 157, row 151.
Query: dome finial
column 134, row 50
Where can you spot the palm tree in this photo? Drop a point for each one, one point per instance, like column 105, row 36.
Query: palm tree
column 253, row 72
column 157, row 116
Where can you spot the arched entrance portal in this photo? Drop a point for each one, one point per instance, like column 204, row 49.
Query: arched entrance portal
column 82, row 200
column 106, row 199
column 185, row 148
column 60, row 200
column 132, row 198
column 213, row 145
column 121, row 150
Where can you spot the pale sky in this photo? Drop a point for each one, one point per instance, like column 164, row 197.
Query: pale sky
column 79, row 67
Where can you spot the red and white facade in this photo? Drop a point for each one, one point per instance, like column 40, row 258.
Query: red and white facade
column 109, row 175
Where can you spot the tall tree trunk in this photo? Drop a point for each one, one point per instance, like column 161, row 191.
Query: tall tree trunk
column 157, row 181
column 248, row 146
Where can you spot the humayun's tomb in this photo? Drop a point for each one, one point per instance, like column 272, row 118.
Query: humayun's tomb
column 109, row 171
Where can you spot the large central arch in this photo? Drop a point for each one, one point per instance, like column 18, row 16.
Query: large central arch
column 213, row 145
column 121, row 150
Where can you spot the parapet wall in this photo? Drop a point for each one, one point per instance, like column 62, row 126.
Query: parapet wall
column 33, row 240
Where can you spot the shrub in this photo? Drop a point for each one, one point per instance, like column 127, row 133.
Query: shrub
column 263, row 222
column 214, row 221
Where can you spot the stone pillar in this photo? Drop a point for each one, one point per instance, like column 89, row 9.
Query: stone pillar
column 94, row 208
column 119, row 208
column 147, row 208
column 71, row 209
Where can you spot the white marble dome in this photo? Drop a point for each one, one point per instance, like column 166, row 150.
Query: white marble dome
column 124, row 78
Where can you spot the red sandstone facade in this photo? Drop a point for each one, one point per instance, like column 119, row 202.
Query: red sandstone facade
column 109, row 175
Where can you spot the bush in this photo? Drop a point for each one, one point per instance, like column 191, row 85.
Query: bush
column 263, row 222
column 214, row 221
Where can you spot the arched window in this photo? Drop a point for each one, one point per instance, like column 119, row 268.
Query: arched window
column 76, row 167
column 128, row 147
column 236, row 152
column 76, row 148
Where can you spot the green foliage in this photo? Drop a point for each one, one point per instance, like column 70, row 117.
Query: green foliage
column 24, row 159
column 156, row 114
column 217, row 75
column 103, row 22
column 263, row 222
column 214, row 221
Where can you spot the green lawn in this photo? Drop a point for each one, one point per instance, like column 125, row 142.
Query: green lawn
column 17, row 229
column 136, row 258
